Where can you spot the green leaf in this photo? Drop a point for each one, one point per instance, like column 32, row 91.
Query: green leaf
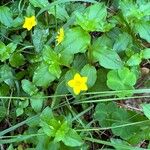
column 6, row 75
column 6, row 51
column 89, row 72
column 11, row 47
column 39, row 3
column 4, row 89
column 143, row 134
column 61, row 89
column 6, row 16
column 66, row 59
column 144, row 7
column 89, row 20
column 72, row 139
column 103, row 113
column 129, row 9
column 76, row 40
column 10, row 147
column 42, row 76
column 2, row 52
column 134, row 10
column 30, row 11
column 122, row 42
column 50, row 55
column 69, row 76
column 59, row 12
column 62, row 131
column 122, row 79
column 118, row 143
column 39, row 38
column 59, row 128
column 24, row 103
column 53, row 146
column 146, row 110
column 107, row 57
column 122, row 118
column 146, row 53
column 46, row 114
column 55, row 70
column 19, row 111
column 100, row 84
column 51, row 127
column 53, row 60
column 110, row 115
column 134, row 60
column 17, row 60
column 37, row 101
column 79, row 61
column 29, row 87
column 18, row 21
column 143, row 29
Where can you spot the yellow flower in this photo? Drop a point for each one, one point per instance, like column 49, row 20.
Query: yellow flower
column 78, row 83
column 60, row 36
column 29, row 22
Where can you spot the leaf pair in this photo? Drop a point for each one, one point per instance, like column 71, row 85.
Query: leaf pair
column 59, row 129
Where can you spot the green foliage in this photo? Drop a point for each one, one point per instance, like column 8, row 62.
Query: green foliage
column 146, row 110
column 39, row 38
column 110, row 115
column 6, row 51
column 59, row 128
column 76, row 40
column 6, row 75
column 121, row 79
column 146, row 53
column 6, row 16
column 36, row 99
column 21, row 106
column 17, row 60
column 99, row 47
column 134, row 60
column 89, row 71
column 122, row 42
column 89, row 20
column 28, row 87
column 135, row 15
column 42, row 76
column 106, row 56
column 39, row 3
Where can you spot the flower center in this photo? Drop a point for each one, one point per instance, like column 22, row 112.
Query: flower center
column 78, row 83
column 30, row 23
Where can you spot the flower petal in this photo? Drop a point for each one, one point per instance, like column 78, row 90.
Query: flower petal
column 84, row 79
column 77, row 77
column 83, row 87
column 60, row 36
column 76, row 90
column 29, row 22
column 71, row 83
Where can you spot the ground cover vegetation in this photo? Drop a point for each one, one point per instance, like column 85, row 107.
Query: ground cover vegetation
column 74, row 74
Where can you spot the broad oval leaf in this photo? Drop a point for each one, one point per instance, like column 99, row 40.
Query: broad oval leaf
column 76, row 40
column 6, row 16
column 90, row 73
column 146, row 110
column 146, row 53
column 29, row 87
column 121, row 79
column 42, row 76
column 106, row 57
